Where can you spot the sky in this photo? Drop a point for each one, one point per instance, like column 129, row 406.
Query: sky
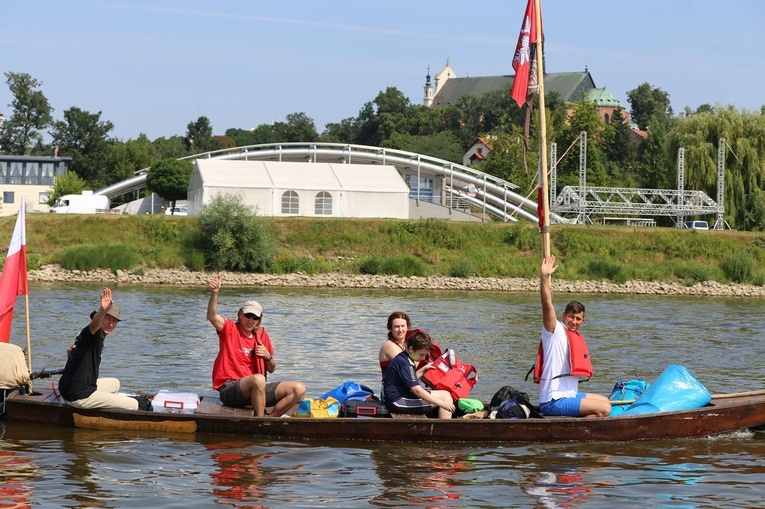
column 153, row 66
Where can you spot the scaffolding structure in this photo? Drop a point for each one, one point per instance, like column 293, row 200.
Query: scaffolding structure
column 584, row 202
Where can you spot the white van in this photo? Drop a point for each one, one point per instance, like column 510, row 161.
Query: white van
column 85, row 203
column 697, row 225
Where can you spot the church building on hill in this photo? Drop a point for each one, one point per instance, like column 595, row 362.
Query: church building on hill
column 446, row 88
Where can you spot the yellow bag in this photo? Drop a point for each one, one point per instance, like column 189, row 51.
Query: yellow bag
column 323, row 408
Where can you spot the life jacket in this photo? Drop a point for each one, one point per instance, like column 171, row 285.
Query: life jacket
column 579, row 358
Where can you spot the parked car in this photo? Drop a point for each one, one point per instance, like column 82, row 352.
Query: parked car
column 177, row 211
column 697, row 225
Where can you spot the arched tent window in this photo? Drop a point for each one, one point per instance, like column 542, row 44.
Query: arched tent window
column 290, row 203
column 323, row 204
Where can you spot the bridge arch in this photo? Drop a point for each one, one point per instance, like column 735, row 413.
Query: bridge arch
column 493, row 196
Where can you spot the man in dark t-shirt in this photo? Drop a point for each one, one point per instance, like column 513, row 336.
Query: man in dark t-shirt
column 79, row 385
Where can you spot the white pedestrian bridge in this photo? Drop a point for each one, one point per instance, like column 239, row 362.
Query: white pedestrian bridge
column 444, row 183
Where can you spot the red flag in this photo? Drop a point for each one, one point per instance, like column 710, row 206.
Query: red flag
column 13, row 281
column 524, row 63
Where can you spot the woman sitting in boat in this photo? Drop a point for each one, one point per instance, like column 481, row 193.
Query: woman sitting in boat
column 401, row 385
column 398, row 325
column 79, row 385
column 563, row 357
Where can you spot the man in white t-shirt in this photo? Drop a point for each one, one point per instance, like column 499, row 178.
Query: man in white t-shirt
column 558, row 383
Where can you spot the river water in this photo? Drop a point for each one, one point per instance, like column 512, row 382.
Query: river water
column 326, row 336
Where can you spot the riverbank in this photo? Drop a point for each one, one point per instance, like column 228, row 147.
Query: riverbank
column 54, row 273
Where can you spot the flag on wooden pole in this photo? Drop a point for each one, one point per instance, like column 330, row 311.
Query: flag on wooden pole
column 13, row 281
column 524, row 61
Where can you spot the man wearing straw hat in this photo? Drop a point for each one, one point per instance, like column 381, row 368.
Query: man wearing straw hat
column 80, row 385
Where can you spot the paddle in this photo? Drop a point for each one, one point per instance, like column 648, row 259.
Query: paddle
column 714, row 396
column 45, row 374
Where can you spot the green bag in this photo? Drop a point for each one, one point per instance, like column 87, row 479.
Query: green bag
column 469, row 406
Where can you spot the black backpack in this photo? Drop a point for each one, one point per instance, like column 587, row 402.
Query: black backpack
column 510, row 403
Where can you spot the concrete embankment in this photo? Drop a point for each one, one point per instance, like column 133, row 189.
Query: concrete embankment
column 53, row 273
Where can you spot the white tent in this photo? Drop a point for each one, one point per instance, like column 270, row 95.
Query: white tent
column 302, row 189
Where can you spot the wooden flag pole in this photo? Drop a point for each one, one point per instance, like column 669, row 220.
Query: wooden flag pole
column 545, row 230
column 29, row 337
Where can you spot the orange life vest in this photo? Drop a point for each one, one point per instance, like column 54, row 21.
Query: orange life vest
column 579, row 357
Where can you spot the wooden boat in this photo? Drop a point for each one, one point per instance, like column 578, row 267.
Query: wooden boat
column 726, row 413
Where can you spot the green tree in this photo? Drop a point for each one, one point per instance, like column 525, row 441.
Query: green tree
column 345, row 131
column 443, row 145
column 647, row 101
column 169, row 178
column 242, row 137
column 68, row 183
column 173, row 147
column 699, row 135
column 31, row 113
column 657, row 165
column 126, row 158
column 583, row 117
column 85, row 137
column 617, row 140
column 199, row 136
column 506, row 159
column 298, row 127
column 234, row 237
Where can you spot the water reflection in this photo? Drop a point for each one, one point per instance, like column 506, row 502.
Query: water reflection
column 240, row 477
column 420, row 477
column 17, row 475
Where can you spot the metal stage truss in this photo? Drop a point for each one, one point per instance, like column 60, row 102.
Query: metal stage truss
column 583, row 202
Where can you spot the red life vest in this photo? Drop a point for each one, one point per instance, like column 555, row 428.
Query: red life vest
column 579, row 357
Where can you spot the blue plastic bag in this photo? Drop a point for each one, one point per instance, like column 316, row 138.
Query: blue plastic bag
column 675, row 389
column 349, row 390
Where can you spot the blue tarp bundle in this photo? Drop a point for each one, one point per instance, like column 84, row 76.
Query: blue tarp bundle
column 675, row 389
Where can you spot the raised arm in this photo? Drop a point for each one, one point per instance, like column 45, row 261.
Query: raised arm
column 549, row 320
column 213, row 317
column 106, row 303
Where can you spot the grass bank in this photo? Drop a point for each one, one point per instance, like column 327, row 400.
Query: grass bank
column 421, row 248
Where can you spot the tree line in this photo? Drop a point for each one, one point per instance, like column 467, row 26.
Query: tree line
column 615, row 156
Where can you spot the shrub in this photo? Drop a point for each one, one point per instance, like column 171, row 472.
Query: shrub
column 522, row 237
column 737, row 266
column 697, row 273
column 233, row 237
column 90, row 257
column 461, row 268
column 606, row 269
column 403, row 265
column 371, row 265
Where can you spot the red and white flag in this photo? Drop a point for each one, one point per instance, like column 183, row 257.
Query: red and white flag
column 524, row 62
column 13, row 281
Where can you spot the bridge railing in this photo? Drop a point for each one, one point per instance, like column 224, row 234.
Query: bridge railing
column 493, row 195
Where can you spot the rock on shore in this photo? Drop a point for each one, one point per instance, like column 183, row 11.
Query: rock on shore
column 54, row 273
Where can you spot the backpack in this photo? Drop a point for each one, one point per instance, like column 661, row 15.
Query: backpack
column 506, row 392
column 514, row 408
column 510, row 403
column 630, row 390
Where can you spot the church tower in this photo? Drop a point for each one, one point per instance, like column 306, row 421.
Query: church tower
column 442, row 77
column 429, row 93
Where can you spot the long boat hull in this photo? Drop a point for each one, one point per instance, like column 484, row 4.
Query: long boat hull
column 723, row 415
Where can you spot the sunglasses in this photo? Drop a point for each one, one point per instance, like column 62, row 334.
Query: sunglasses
column 251, row 316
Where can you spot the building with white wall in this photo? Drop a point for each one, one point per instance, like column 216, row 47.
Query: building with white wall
column 302, row 189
